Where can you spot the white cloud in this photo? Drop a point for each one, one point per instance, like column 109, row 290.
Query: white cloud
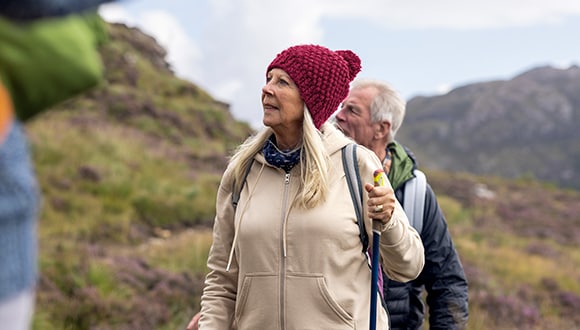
column 182, row 52
column 242, row 37
column 236, row 39
column 258, row 29
column 454, row 14
column 114, row 12
column 444, row 89
column 564, row 64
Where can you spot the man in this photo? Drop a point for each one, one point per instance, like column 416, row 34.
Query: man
column 372, row 114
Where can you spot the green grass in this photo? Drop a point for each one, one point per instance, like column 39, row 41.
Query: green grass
column 188, row 251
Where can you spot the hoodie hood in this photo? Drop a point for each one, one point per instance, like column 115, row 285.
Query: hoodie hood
column 334, row 139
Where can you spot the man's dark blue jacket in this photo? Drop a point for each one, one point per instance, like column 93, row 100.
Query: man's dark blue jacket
column 442, row 276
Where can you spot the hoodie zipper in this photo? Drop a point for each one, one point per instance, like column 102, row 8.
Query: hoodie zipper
column 283, row 247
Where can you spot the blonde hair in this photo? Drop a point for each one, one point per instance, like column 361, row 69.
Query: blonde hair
column 314, row 162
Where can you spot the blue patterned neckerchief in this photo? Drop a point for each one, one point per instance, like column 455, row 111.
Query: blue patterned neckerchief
column 282, row 159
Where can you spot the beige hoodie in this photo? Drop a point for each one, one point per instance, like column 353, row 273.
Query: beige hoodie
column 292, row 268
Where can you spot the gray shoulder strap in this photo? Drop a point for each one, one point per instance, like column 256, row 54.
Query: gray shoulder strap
column 350, row 165
column 414, row 200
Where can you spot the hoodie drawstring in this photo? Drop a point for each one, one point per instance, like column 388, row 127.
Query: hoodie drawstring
column 239, row 223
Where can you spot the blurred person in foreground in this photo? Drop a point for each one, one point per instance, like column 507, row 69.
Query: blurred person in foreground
column 48, row 53
column 372, row 114
column 290, row 256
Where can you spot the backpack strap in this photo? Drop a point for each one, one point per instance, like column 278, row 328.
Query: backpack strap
column 236, row 193
column 414, row 200
column 350, row 165
column 351, row 170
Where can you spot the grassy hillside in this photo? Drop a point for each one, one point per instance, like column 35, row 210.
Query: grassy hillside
column 136, row 160
column 129, row 174
column 518, row 241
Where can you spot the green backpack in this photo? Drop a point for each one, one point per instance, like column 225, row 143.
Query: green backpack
column 50, row 60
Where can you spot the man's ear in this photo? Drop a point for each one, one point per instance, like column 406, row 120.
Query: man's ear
column 382, row 129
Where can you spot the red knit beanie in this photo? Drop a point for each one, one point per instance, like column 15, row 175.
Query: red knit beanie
column 323, row 76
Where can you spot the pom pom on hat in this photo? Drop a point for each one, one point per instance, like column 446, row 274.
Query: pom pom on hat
column 323, row 76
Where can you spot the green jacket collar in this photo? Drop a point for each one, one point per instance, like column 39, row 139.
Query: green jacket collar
column 401, row 165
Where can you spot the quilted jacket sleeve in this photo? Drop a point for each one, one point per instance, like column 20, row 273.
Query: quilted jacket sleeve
column 443, row 275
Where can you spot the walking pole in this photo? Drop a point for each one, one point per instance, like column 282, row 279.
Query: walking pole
column 379, row 180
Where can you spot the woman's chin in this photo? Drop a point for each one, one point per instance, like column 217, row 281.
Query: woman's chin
column 268, row 120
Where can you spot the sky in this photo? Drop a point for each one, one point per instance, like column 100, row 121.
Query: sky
column 420, row 47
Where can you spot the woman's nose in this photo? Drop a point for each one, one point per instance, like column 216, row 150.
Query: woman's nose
column 266, row 89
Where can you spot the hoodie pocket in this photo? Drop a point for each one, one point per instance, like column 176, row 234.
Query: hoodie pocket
column 311, row 305
column 307, row 303
column 257, row 302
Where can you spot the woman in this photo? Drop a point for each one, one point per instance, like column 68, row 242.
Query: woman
column 289, row 256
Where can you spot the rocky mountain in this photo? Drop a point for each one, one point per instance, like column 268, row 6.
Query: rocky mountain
column 522, row 127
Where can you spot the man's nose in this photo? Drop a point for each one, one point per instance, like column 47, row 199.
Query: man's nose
column 340, row 116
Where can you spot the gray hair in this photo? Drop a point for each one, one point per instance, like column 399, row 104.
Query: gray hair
column 387, row 105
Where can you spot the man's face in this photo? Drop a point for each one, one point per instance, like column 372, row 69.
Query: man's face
column 354, row 116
